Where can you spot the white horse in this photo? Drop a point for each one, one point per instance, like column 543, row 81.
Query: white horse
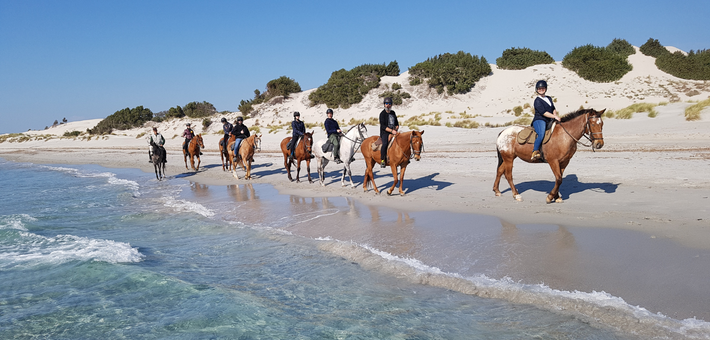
column 348, row 145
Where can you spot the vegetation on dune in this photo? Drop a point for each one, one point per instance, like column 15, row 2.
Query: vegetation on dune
column 597, row 64
column 346, row 88
column 521, row 58
column 397, row 96
column 282, row 86
column 695, row 65
column 122, row 120
column 199, row 110
column 621, row 47
column 693, row 112
column 453, row 73
column 628, row 112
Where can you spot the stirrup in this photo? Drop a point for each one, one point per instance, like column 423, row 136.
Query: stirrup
column 383, row 164
column 535, row 155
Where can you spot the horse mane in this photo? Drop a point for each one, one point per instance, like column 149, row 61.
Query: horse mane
column 573, row 115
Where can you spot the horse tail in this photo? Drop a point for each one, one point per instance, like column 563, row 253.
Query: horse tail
column 500, row 157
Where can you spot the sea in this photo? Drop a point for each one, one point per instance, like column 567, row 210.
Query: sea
column 88, row 252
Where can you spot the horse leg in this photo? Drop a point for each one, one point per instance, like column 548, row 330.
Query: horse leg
column 401, row 180
column 394, row 176
column 198, row 162
column 184, row 156
column 554, row 195
column 308, row 168
column 298, row 172
column 499, row 172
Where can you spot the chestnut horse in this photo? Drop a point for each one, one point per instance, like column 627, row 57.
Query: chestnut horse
column 404, row 145
column 246, row 154
column 303, row 153
column 557, row 152
column 224, row 154
column 193, row 150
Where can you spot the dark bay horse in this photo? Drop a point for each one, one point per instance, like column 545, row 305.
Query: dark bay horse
column 557, row 152
column 224, row 154
column 303, row 153
column 193, row 150
column 159, row 159
column 247, row 149
column 404, row 145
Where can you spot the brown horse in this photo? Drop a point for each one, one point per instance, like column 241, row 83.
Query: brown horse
column 224, row 154
column 193, row 150
column 557, row 152
column 246, row 154
column 403, row 146
column 303, row 153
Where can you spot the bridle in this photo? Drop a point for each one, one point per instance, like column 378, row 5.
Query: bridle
column 588, row 134
column 413, row 152
column 356, row 141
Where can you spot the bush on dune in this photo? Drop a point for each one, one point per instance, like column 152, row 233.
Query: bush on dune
column 282, row 86
column 522, row 58
column 695, row 65
column 346, row 88
column 122, row 120
column 453, row 73
column 597, row 64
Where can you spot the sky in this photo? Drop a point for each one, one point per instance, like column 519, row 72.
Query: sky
column 81, row 60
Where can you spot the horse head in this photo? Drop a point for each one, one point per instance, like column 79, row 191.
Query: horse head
column 257, row 142
column 594, row 128
column 417, row 144
column 308, row 142
column 200, row 143
column 362, row 130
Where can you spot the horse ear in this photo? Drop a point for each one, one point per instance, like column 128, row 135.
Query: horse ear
column 422, row 132
column 602, row 112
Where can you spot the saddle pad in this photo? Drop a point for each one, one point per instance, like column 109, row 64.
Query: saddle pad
column 327, row 146
column 377, row 145
column 528, row 135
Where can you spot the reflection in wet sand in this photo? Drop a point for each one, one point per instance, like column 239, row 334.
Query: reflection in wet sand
column 200, row 190
column 242, row 193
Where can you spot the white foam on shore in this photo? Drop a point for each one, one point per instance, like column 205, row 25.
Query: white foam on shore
column 111, row 177
column 596, row 307
column 187, row 206
column 16, row 221
column 26, row 248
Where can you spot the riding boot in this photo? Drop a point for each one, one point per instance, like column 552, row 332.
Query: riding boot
column 337, row 160
column 150, row 157
column 535, row 155
column 383, row 164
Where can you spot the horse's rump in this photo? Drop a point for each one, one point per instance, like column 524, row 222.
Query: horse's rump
column 528, row 135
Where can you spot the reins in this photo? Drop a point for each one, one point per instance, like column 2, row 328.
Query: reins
column 590, row 138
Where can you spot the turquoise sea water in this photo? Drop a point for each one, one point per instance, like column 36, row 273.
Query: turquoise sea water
column 88, row 252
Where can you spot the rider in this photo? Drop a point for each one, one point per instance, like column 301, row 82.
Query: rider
column 158, row 139
column 188, row 134
column 545, row 112
column 240, row 131
column 227, row 127
column 299, row 130
column 333, row 130
column 388, row 125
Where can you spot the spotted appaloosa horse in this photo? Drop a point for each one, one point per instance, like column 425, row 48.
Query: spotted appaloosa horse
column 557, row 152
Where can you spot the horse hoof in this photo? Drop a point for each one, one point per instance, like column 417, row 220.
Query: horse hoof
column 498, row 194
column 519, row 198
column 558, row 200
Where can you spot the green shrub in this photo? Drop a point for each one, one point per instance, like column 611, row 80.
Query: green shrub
column 653, row 48
column 199, row 110
column 693, row 112
column 695, row 65
column 628, row 112
column 455, row 73
column 345, row 88
column 175, row 112
column 396, row 86
column 414, row 81
column 621, row 47
column 206, row 123
column 521, row 58
column 397, row 97
column 122, row 120
column 72, row 133
column 466, row 124
column 282, row 86
column 596, row 64
column 518, row 110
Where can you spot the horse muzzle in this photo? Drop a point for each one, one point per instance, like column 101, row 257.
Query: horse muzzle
column 417, row 158
column 598, row 144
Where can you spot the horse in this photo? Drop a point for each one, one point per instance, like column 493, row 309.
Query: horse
column 224, row 153
column 403, row 146
column 352, row 139
column 193, row 150
column 557, row 152
column 303, row 153
column 246, row 154
column 159, row 159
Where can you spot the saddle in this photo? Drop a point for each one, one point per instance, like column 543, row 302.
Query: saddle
column 528, row 135
column 377, row 145
column 328, row 146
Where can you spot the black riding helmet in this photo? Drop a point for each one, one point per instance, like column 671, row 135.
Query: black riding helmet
column 328, row 111
column 224, row 120
column 388, row 100
column 296, row 114
column 540, row 84
column 240, row 119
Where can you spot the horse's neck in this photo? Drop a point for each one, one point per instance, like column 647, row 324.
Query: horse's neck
column 574, row 127
column 402, row 141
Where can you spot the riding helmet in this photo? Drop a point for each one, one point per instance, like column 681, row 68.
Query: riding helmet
column 240, row 119
column 541, row 84
column 224, row 120
column 329, row 111
column 296, row 114
column 388, row 100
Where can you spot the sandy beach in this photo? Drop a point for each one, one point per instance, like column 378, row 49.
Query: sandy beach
column 651, row 177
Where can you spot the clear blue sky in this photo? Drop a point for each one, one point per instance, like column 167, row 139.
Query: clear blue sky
column 81, row 60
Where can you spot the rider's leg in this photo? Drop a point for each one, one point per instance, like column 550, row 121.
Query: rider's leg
column 539, row 126
column 383, row 151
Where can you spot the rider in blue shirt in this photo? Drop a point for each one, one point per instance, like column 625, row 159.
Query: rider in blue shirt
column 299, row 130
column 545, row 112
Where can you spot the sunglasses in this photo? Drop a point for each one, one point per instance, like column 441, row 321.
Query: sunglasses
column 388, row 103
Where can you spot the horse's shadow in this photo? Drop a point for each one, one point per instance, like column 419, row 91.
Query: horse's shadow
column 570, row 185
column 415, row 184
